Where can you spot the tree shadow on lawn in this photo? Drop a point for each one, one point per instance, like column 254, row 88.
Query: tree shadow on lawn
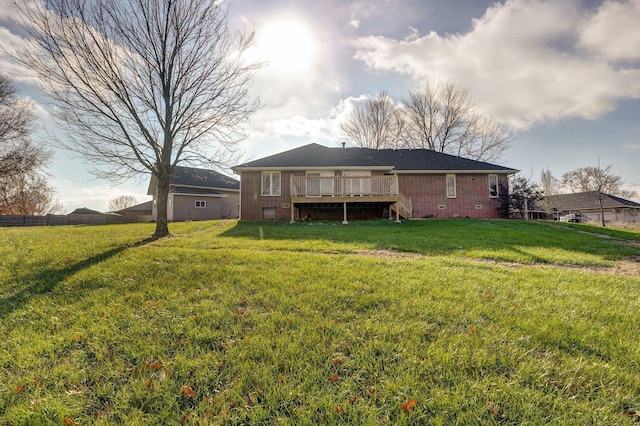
column 442, row 237
column 44, row 280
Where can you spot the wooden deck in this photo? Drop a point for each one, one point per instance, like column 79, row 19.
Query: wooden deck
column 349, row 189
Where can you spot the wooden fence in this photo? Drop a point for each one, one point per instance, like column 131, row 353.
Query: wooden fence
column 70, row 219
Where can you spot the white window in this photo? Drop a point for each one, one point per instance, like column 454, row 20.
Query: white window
column 451, row 186
column 201, row 204
column 270, row 183
column 493, row 186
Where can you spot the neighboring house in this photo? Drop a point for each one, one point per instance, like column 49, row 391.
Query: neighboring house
column 615, row 209
column 318, row 182
column 85, row 216
column 198, row 194
column 142, row 209
column 142, row 212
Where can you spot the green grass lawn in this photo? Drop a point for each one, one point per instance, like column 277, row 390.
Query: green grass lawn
column 423, row 322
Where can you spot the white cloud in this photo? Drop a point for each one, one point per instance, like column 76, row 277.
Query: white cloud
column 631, row 147
column 612, row 31
column 12, row 44
column 95, row 196
column 519, row 61
column 7, row 9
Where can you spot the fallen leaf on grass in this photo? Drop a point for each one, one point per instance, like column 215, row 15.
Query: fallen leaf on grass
column 19, row 388
column 67, row 421
column 334, row 377
column 248, row 400
column 188, row 391
column 339, row 409
column 409, row 406
column 155, row 365
column 103, row 412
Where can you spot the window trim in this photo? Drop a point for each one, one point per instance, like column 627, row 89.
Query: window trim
column 497, row 194
column 454, row 193
column 200, row 204
column 270, row 175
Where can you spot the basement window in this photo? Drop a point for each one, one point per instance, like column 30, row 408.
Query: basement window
column 269, row 213
column 201, row 204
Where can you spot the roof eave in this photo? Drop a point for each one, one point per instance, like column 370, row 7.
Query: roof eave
column 306, row 168
column 453, row 171
column 216, row 188
column 183, row 194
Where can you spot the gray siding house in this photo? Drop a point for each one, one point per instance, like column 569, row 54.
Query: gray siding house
column 198, row 194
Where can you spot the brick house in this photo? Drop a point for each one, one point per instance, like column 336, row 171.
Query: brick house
column 318, row 182
column 198, row 194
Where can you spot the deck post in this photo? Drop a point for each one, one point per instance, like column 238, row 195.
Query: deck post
column 398, row 212
column 292, row 213
column 344, row 207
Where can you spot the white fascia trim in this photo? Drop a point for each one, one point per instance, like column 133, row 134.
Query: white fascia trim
column 304, row 169
column 206, row 187
column 200, row 195
column 451, row 172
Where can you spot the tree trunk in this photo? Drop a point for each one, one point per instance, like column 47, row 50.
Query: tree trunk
column 602, row 214
column 162, row 226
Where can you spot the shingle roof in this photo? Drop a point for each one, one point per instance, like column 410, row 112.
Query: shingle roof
column 85, row 210
column 314, row 155
column 589, row 200
column 142, row 207
column 190, row 176
column 195, row 191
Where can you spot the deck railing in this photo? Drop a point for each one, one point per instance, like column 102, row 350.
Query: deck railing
column 405, row 206
column 343, row 186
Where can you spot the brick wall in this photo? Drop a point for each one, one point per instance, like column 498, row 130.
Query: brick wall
column 427, row 192
column 429, row 196
column 253, row 203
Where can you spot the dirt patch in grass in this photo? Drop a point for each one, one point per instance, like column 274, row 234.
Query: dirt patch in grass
column 629, row 267
column 389, row 254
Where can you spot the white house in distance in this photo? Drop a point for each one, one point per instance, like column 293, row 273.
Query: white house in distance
column 198, row 194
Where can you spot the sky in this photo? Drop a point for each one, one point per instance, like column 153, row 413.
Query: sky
column 564, row 75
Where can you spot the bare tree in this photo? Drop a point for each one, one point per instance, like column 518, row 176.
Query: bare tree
column 377, row 124
column 550, row 186
column 18, row 155
column 27, row 194
column 121, row 202
column 23, row 190
column 597, row 181
column 523, row 194
column 141, row 86
column 442, row 117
